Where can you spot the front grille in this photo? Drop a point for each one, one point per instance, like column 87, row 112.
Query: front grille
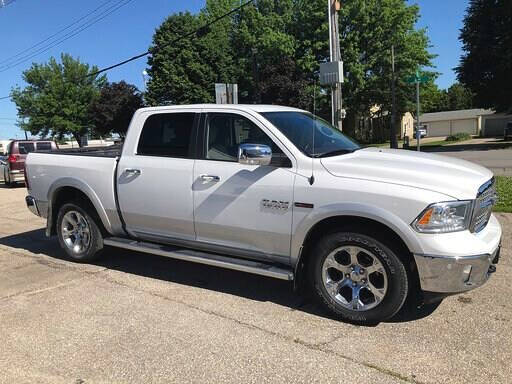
column 485, row 199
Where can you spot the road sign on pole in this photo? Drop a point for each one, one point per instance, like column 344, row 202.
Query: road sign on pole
column 417, row 79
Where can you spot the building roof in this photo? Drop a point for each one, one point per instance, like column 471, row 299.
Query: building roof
column 454, row 115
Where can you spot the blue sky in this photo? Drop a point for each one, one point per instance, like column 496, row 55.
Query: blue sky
column 129, row 30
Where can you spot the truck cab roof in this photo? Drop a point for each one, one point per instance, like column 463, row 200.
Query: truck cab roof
column 240, row 107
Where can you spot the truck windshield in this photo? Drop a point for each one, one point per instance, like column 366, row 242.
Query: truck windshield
column 299, row 128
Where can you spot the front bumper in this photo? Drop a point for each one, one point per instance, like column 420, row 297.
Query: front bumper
column 455, row 274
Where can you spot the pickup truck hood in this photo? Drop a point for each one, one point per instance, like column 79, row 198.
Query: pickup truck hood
column 453, row 177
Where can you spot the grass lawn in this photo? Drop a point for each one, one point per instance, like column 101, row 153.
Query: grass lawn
column 504, row 187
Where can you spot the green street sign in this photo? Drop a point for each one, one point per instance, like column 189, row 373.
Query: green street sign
column 417, row 79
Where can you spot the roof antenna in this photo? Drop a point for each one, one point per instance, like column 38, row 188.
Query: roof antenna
column 312, row 178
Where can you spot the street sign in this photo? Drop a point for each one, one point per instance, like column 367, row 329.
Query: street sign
column 417, row 78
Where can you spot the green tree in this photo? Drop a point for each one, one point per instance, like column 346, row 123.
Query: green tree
column 272, row 49
column 486, row 64
column 368, row 29
column 459, row 97
column 432, row 98
column 112, row 111
column 57, row 97
column 184, row 71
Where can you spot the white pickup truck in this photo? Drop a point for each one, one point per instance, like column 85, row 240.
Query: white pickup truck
column 277, row 192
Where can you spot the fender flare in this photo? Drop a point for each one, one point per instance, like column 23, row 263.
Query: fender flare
column 366, row 211
column 70, row 182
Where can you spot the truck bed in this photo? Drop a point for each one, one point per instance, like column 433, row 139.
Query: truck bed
column 112, row 151
column 89, row 170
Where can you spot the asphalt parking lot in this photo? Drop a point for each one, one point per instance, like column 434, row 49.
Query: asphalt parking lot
column 143, row 318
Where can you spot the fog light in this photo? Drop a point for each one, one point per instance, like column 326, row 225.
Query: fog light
column 466, row 272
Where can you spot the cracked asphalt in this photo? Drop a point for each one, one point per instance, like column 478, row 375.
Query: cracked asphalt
column 141, row 318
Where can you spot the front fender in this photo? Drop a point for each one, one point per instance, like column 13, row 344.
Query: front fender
column 367, row 211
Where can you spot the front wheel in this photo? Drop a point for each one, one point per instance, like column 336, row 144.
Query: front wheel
column 357, row 278
column 78, row 232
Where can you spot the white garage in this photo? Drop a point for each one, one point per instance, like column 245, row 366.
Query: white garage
column 494, row 125
column 452, row 122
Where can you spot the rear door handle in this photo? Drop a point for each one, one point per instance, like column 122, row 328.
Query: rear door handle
column 210, row 178
column 132, row 171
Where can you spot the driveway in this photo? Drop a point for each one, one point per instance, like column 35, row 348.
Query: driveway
column 143, row 318
column 490, row 153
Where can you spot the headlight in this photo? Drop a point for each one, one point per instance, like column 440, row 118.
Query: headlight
column 445, row 217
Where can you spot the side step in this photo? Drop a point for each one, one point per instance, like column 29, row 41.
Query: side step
column 227, row 262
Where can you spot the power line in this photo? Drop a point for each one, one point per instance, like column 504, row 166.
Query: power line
column 67, row 36
column 198, row 32
column 56, row 33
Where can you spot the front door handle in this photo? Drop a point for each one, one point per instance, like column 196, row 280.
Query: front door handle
column 209, row 178
column 132, row 171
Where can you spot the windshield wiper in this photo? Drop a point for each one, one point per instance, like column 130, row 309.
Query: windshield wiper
column 335, row 152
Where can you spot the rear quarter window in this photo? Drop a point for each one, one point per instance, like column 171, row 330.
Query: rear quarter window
column 44, row 146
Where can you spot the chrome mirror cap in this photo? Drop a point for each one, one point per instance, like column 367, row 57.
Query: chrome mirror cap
column 254, row 154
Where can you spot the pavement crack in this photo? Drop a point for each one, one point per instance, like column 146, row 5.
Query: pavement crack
column 41, row 290
column 320, row 347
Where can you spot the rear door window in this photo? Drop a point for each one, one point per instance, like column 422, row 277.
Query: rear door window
column 167, row 135
column 26, row 148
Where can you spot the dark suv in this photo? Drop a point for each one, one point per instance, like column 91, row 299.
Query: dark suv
column 17, row 151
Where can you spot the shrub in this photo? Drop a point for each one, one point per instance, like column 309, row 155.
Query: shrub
column 459, row 137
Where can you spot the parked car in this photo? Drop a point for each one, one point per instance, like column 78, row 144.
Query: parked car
column 507, row 132
column 17, row 151
column 423, row 132
column 247, row 188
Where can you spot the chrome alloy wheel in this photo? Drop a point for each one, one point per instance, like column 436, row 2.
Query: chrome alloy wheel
column 75, row 232
column 355, row 278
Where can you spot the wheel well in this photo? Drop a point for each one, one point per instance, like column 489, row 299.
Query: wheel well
column 373, row 228
column 66, row 195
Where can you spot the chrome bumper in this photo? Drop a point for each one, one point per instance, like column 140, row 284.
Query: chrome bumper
column 17, row 176
column 32, row 205
column 455, row 274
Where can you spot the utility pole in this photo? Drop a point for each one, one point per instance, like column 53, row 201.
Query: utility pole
column 418, row 134
column 393, row 142
column 335, row 55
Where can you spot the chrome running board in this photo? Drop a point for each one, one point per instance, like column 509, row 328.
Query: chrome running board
column 215, row 260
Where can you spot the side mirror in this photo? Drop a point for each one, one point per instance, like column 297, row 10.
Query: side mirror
column 254, row 154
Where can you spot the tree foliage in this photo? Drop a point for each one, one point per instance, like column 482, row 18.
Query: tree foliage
column 486, row 65
column 57, row 97
column 454, row 98
column 112, row 111
column 272, row 49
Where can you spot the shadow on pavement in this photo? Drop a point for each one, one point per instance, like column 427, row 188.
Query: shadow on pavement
column 241, row 284
column 468, row 147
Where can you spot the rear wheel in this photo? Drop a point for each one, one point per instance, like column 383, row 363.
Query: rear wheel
column 357, row 278
column 78, row 232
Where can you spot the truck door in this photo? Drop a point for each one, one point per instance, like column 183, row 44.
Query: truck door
column 243, row 209
column 155, row 175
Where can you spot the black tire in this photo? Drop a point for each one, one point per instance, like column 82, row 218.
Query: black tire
column 397, row 278
column 93, row 250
